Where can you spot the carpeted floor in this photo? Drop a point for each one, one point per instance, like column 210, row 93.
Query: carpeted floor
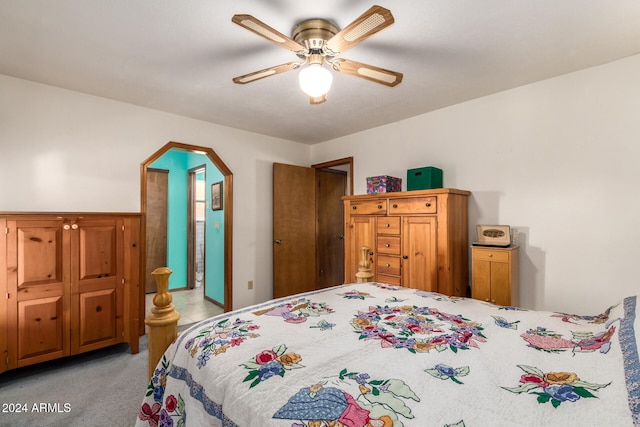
column 100, row 388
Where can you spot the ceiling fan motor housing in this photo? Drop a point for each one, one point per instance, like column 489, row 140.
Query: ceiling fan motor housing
column 313, row 34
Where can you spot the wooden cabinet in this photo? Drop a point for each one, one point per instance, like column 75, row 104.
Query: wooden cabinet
column 494, row 274
column 72, row 284
column 418, row 239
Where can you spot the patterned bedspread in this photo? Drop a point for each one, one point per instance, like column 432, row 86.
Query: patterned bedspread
column 374, row 355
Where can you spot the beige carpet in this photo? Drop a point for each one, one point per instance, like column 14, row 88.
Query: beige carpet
column 100, row 388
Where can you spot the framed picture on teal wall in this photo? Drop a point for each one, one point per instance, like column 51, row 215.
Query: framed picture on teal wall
column 216, row 196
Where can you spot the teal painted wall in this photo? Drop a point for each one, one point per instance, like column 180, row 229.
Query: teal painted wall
column 178, row 163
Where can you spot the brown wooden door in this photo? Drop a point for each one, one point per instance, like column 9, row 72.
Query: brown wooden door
column 156, row 224
column 97, row 283
column 419, row 255
column 38, row 281
column 331, row 186
column 294, row 230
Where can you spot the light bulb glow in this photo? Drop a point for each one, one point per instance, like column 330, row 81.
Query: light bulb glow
column 315, row 80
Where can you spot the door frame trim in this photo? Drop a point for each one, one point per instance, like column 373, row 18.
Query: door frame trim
column 339, row 162
column 227, row 195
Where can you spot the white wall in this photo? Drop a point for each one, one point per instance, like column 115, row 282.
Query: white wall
column 62, row 151
column 557, row 159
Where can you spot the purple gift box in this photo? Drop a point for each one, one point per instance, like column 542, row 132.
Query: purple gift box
column 383, row 184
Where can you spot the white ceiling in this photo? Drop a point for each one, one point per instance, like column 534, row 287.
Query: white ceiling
column 179, row 56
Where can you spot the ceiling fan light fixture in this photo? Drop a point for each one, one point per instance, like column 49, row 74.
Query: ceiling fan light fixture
column 315, row 80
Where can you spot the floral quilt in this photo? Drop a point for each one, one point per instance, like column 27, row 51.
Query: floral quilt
column 377, row 355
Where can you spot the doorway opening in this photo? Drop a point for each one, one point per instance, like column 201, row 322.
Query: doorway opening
column 308, row 225
column 223, row 219
column 197, row 222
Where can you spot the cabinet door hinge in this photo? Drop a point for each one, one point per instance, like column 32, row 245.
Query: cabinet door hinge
column 122, row 227
column 6, row 230
column 8, row 295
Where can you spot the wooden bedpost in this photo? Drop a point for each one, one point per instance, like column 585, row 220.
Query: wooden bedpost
column 163, row 320
column 364, row 273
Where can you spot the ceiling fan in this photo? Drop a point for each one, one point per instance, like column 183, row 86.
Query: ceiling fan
column 318, row 41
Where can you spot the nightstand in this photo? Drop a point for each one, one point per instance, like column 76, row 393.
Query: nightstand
column 494, row 274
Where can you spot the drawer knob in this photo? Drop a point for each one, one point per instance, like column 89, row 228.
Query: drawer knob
column 428, row 204
column 388, row 265
column 395, row 206
column 387, row 225
column 354, row 208
column 387, row 245
column 379, row 206
column 490, row 255
column 405, row 257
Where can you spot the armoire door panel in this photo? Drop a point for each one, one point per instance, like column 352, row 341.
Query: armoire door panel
column 97, row 252
column 4, row 308
column 39, row 259
column 97, row 283
column 37, row 281
column 98, row 317
column 97, row 249
column 41, row 335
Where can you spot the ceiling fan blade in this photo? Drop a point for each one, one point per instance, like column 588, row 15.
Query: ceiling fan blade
column 263, row 30
column 373, row 20
column 318, row 100
column 267, row 72
column 369, row 72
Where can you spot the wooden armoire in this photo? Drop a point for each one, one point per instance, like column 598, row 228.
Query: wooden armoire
column 70, row 283
column 417, row 239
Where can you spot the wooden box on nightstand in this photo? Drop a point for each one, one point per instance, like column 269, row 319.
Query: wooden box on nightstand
column 494, row 274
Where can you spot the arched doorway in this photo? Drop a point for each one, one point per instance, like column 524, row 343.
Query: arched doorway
column 227, row 203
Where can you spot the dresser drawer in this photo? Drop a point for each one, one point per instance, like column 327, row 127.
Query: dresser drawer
column 388, row 225
column 391, row 280
column 494, row 255
column 369, row 207
column 389, row 245
column 417, row 205
column 388, row 265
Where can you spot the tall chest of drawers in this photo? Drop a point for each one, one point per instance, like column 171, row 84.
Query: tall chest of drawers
column 417, row 239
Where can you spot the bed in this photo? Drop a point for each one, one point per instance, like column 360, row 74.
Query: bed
column 378, row 355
